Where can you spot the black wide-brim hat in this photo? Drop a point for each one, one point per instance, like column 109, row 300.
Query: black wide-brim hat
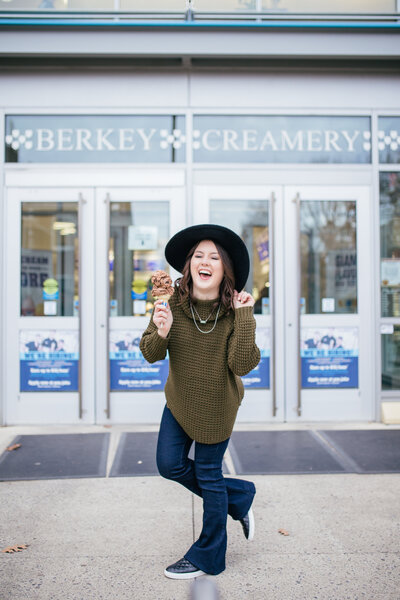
column 178, row 247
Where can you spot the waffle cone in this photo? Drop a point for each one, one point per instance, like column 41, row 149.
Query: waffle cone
column 165, row 298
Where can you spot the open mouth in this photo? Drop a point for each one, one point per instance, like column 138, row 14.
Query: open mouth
column 205, row 274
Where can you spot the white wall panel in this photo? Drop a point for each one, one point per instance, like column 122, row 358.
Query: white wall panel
column 80, row 90
column 296, row 90
column 206, row 41
column 125, row 91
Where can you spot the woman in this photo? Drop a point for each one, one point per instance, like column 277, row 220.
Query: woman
column 208, row 329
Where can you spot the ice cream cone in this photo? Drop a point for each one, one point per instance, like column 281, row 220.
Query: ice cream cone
column 162, row 284
column 164, row 300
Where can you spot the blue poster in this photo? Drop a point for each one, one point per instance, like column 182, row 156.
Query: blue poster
column 128, row 368
column 49, row 361
column 259, row 377
column 329, row 358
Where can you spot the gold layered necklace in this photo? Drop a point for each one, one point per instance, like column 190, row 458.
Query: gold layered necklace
column 204, row 321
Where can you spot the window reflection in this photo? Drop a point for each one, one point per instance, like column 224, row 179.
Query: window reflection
column 139, row 232
column 153, row 5
column 249, row 219
column 225, row 5
column 390, row 244
column 391, row 360
column 49, row 259
column 328, row 256
column 330, row 6
column 59, row 5
column 285, row 6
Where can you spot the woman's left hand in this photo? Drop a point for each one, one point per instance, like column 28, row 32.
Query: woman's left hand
column 242, row 299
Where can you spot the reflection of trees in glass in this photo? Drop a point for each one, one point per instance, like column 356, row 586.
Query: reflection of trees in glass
column 135, row 266
column 249, row 219
column 389, row 208
column 390, row 355
column 327, row 227
column 390, row 215
column 49, row 249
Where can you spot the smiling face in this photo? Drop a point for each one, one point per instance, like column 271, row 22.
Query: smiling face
column 207, row 271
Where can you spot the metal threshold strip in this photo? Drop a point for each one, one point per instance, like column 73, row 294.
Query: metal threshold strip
column 199, row 20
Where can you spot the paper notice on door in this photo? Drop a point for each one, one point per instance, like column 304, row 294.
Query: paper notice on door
column 329, row 357
column 390, row 271
column 328, row 305
column 142, row 238
column 387, row 329
column 49, row 360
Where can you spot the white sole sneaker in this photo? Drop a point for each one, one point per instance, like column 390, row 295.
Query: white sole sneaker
column 252, row 525
column 183, row 575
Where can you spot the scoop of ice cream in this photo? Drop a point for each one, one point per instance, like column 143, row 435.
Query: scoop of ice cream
column 162, row 284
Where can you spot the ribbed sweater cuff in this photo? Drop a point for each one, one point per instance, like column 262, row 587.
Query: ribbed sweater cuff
column 244, row 313
column 160, row 343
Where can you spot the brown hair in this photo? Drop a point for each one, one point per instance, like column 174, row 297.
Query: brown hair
column 184, row 284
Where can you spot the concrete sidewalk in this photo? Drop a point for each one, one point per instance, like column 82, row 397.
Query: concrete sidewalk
column 110, row 538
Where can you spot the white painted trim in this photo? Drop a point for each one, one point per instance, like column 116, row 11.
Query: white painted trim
column 91, row 176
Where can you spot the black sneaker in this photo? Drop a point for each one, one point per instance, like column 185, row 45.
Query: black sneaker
column 183, row 569
column 248, row 525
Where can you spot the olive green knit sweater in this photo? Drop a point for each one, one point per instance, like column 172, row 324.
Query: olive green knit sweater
column 204, row 389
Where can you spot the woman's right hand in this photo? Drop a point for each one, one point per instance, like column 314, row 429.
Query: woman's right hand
column 162, row 318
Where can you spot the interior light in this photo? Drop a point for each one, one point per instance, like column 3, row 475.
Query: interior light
column 63, row 224
column 65, row 227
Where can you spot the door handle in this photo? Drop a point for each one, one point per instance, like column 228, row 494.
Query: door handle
column 107, row 410
column 296, row 200
column 272, row 304
column 81, row 202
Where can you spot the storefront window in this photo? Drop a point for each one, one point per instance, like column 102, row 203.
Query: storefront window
column 390, row 244
column 153, row 5
column 249, row 219
column 331, row 6
column 284, row 6
column 316, row 139
column 95, row 138
column 59, row 5
column 139, row 232
column 389, row 139
column 391, row 358
column 225, row 5
column 49, row 259
column 328, row 257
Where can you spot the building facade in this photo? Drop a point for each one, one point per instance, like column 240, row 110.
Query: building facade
column 122, row 128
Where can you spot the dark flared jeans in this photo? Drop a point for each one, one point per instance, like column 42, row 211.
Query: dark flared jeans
column 221, row 495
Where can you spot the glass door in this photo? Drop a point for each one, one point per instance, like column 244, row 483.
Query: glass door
column 133, row 228
column 311, row 254
column 49, row 333
column 328, row 303
column 255, row 213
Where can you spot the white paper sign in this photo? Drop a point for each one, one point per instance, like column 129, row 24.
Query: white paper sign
column 328, row 305
column 387, row 328
column 142, row 238
column 139, row 307
column 390, row 271
column 50, row 308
